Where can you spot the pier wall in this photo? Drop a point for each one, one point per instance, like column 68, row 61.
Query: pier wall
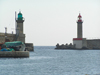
column 81, row 44
column 11, row 37
column 93, row 44
column 29, row 46
column 14, row 54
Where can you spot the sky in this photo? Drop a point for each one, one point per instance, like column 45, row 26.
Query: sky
column 48, row 22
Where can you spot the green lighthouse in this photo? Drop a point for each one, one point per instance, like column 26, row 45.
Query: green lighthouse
column 20, row 36
column 20, row 21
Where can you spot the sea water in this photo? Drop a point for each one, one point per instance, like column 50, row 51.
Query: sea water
column 45, row 60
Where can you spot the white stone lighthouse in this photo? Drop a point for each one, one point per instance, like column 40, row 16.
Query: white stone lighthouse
column 79, row 26
column 78, row 41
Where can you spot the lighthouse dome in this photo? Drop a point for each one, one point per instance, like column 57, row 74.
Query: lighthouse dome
column 20, row 16
column 79, row 16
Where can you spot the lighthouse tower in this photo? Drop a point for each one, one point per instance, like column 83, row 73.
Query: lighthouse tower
column 79, row 40
column 19, row 28
column 20, row 21
column 79, row 26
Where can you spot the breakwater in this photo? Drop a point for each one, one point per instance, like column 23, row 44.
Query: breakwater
column 14, row 54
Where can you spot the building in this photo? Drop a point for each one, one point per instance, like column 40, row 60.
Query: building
column 80, row 42
column 19, row 35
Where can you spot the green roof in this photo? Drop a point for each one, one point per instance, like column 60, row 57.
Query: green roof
column 15, row 43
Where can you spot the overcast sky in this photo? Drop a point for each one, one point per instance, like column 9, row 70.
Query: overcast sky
column 48, row 22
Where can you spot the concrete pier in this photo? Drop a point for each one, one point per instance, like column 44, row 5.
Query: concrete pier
column 14, row 54
column 29, row 46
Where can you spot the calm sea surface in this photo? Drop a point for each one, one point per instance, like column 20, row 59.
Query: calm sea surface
column 45, row 60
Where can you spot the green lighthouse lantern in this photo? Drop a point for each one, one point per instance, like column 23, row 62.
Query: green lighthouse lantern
column 20, row 16
column 19, row 24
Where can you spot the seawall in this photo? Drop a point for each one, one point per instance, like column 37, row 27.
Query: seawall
column 14, row 54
